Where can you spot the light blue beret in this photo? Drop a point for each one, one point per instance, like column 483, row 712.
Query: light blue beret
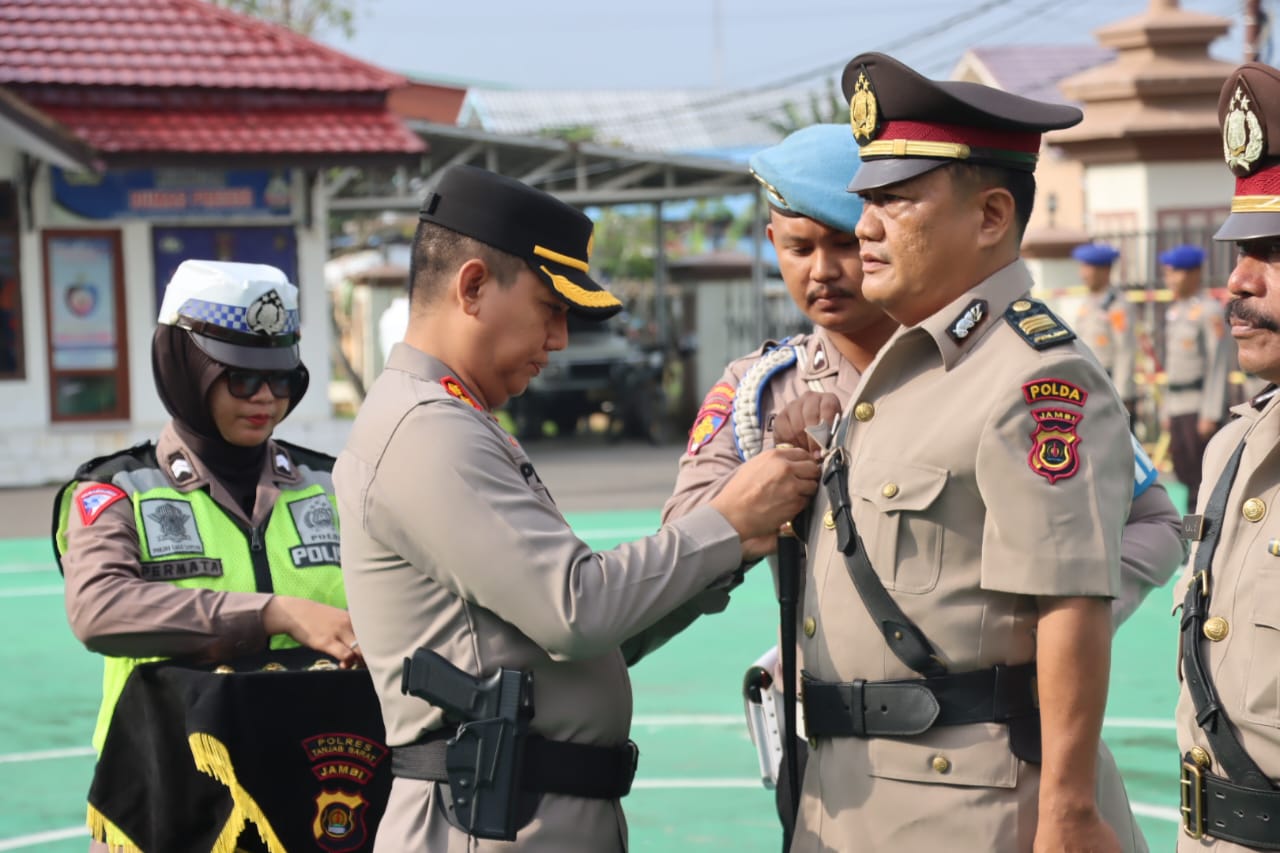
column 1185, row 257
column 807, row 173
column 1095, row 254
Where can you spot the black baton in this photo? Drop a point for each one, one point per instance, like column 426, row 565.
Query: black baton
column 790, row 561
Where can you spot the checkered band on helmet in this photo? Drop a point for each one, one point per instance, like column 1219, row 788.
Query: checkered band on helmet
column 235, row 318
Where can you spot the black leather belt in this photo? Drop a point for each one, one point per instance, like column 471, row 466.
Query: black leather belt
column 1217, row 808
column 550, row 766
column 1186, row 386
column 913, row 706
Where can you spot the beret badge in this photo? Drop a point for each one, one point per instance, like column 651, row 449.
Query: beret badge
column 1243, row 140
column 864, row 110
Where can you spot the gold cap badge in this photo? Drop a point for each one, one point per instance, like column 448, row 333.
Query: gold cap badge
column 1243, row 140
column 864, row 110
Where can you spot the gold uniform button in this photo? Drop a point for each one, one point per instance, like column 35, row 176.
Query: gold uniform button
column 1200, row 757
column 864, row 411
column 941, row 764
column 1254, row 509
column 810, row 626
column 1022, row 305
column 829, row 520
column 1216, row 629
column 890, row 490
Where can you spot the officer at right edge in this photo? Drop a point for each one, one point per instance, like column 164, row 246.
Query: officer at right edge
column 1228, row 717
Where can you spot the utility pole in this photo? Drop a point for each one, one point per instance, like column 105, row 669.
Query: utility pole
column 1252, row 18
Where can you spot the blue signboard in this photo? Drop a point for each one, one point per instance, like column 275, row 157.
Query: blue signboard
column 273, row 244
column 173, row 193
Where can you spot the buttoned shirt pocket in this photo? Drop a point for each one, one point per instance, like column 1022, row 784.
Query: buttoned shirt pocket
column 899, row 522
column 1262, row 682
column 974, row 756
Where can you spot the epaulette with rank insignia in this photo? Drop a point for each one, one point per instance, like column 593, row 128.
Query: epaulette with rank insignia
column 1037, row 325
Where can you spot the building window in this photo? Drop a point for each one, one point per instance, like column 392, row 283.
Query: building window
column 84, row 307
column 12, row 359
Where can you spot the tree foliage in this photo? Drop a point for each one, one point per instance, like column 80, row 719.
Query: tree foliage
column 826, row 107
column 303, row 16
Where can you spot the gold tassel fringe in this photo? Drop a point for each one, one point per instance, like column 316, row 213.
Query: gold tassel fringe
column 107, row 832
column 211, row 757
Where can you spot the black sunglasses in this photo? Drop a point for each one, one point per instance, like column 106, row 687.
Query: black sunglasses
column 243, row 384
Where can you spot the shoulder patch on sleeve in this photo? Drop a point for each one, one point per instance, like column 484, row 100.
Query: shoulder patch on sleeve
column 715, row 411
column 1037, row 325
column 1144, row 470
column 93, row 500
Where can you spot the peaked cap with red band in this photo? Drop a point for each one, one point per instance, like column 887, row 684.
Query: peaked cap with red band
column 906, row 124
column 1249, row 112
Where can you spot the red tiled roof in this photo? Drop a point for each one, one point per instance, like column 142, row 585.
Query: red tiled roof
column 318, row 130
column 167, row 43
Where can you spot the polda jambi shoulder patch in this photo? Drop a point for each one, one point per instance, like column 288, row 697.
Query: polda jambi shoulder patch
column 1055, row 444
column 455, row 388
column 1037, row 325
column 93, row 500
column 714, row 414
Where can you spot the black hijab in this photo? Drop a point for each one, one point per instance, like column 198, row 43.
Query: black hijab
column 184, row 374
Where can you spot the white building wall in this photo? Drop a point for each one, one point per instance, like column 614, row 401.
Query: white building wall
column 34, row 451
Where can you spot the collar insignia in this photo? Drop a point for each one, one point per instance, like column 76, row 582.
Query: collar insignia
column 267, row 314
column 864, row 110
column 1243, row 140
column 455, row 388
column 282, row 464
column 181, row 469
column 819, row 357
column 969, row 320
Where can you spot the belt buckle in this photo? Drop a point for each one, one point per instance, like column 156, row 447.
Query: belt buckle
column 1192, row 779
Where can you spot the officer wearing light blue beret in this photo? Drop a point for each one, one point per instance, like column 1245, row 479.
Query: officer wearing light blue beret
column 807, row 172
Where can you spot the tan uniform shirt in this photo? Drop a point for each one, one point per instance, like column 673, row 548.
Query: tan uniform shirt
column 1198, row 350
column 965, row 531
column 1104, row 323
column 114, row 611
column 451, row 541
column 1151, row 550
column 1245, row 591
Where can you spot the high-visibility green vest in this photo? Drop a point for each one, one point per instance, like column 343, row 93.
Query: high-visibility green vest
column 187, row 539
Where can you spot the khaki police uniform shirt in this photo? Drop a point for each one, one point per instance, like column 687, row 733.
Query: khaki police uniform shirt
column 1245, row 592
column 450, row 540
column 965, row 535
column 1197, row 350
column 1104, row 323
column 1151, row 548
column 114, row 611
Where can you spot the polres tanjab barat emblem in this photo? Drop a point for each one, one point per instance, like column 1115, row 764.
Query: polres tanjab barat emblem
column 1243, row 140
column 864, row 110
column 266, row 315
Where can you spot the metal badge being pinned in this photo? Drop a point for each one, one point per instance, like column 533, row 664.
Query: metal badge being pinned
column 267, row 315
column 1243, row 140
column 864, row 110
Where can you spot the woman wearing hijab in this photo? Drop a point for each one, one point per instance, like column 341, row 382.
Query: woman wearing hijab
column 217, row 541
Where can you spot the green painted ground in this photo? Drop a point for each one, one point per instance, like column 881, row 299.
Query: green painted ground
column 696, row 789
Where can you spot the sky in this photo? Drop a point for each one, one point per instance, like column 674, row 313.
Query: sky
column 665, row 44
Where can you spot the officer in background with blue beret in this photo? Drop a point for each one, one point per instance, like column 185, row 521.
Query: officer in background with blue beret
column 1198, row 355
column 1105, row 320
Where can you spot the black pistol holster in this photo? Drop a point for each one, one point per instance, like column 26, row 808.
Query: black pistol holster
column 907, row 707
column 495, row 770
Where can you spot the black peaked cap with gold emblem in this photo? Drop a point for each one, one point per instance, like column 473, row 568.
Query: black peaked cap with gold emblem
column 906, row 124
column 1249, row 112
column 553, row 238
